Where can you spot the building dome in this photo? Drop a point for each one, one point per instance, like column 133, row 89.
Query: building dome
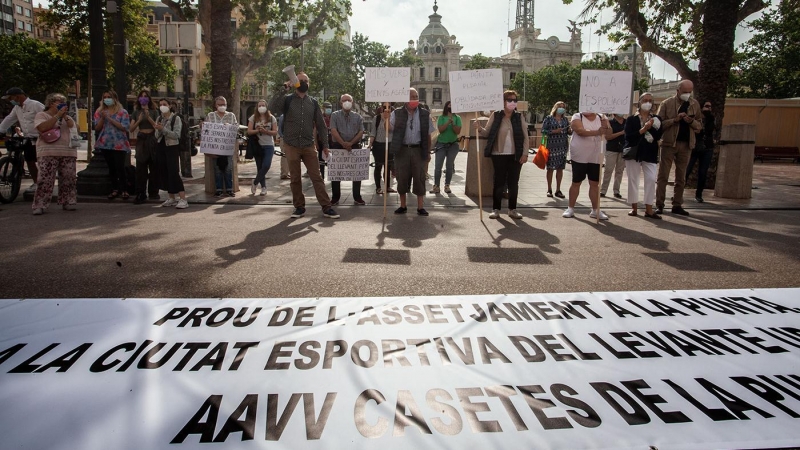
column 434, row 37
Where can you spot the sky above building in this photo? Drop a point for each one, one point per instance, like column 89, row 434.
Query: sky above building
column 481, row 26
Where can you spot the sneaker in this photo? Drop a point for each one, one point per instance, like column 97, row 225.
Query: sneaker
column 263, row 191
column 69, row 207
column 679, row 211
column 285, row 177
column 169, row 202
column 514, row 214
column 698, row 199
column 401, row 210
column 253, row 189
column 422, row 212
column 141, row 198
column 335, row 202
column 568, row 213
column 38, row 212
column 230, row 194
column 549, row 193
column 659, row 210
column 435, row 190
column 182, row 204
column 390, row 190
column 447, row 189
column 297, row 213
column 359, row 201
column 495, row 214
column 602, row 194
column 617, row 195
column 559, row 194
column 378, row 191
column 330, row 213
column 593, row 215
column 218, row 194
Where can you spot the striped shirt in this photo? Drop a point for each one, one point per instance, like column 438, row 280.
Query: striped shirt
column 347, row 124
column 300, row 120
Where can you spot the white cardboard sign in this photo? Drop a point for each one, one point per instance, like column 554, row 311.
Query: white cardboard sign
column 684, row 370
column 387, row 84
column 476, row 90
column 218, row 138
column 605, row 91
column 350, row 165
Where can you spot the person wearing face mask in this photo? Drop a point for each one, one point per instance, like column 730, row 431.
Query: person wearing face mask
column 24, row 112
column 327, row 112
column 186, row 147
column 703, row 151
column 223, row 167
column 378, row 145
column 643, row 130
column 507, row 144
column 556, row 127
column 302, row 117
column 145, row 115
column 56, row 158
column 264, row 125
column 586, row 150
column 347, row 128
column 681, row 120
column 449, row 126
column 111, row 120
column 168, row 134
column 411, row 128
column 614, row 164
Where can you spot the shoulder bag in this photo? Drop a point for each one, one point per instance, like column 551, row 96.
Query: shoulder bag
column 52, row 134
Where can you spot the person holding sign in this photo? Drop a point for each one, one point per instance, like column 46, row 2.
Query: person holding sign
column 644, row 131
column 588, row 131
column 411, row 140
column 301, row 117
column 681, row 117
column 223, row 169
column 347, row 128
column 557, row 129
column 507, row 144
column 449, row 126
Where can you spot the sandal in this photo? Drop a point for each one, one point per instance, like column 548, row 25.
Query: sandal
column 549, row 193
column 633, row 213
column 113, row 195
column 379, row 191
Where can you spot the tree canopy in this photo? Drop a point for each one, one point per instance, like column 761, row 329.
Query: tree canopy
column 36, row 67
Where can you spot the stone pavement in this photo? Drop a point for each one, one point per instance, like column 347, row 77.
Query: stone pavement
column 776, row 185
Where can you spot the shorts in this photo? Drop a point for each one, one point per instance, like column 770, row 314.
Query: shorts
column 581, row 170
column 29, row 150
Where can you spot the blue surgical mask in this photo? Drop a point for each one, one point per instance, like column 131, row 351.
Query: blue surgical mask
column 61, row 105
column 14, row 102
column 560, row 111
column 108, row 101
column 328, row 111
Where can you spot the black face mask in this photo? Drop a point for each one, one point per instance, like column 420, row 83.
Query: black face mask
column 707, row 113
column 447, row 110
column 303, row 87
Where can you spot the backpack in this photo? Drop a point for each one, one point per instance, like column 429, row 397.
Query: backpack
column 287, row 100
column 184, row 142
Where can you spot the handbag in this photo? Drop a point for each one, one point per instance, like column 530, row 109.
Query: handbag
column 629, row 153
column 253, row 148
column 542, row 155
column 52, row 134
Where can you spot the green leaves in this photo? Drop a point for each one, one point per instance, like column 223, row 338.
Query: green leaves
column 38, row 68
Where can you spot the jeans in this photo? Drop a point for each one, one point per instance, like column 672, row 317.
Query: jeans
column 224, row 180
column 263, row 163
column 448, row 151
column 506, row 172
column 704, row 157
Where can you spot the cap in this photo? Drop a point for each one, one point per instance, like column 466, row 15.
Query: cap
column 326, row 104
column 13, row 91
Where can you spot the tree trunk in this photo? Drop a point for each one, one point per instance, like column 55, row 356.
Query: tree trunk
column 221, row 48
column 716, row 56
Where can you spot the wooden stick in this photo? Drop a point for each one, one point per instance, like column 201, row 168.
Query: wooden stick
column 600, row 179
column 386, row 163
column 478, row 159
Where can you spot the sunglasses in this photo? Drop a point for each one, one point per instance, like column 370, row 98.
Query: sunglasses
column 512, row 100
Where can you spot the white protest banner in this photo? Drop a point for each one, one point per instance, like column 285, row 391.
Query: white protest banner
column 218, row 138
column 605, row 91
column 387, row 84
column 350, row 165
column 684, row 370
column 476, row 90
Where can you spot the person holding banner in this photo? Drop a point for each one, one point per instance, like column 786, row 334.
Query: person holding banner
column 557, row 129
column 586, row 149
column 347, row 128
column 301, row 118
column 644, row 131
column 411, row 140
column 449, row 126
column 264, row 125
column 507, row 144
column 223, row 169
column 378, row 146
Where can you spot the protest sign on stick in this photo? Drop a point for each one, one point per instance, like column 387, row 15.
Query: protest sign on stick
column 605, row 91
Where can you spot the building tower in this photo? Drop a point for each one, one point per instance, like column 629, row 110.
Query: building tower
column 524, row 14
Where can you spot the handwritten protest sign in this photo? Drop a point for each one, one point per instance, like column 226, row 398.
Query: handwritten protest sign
column 605, row 91
column 387, row 84
column 218, row 138
column 476, row 90
column 350, row 165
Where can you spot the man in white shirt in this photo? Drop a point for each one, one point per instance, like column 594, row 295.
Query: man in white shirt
column 25, row 109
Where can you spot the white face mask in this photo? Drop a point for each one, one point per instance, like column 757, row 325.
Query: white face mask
column 347, row 105
column 262, row 109
column 222, row 108
column 164, row 109
column 646, row 106
column 685, row 97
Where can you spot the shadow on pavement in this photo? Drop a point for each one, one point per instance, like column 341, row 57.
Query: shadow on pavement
column 699, row 262
column 626, row 235
column 256, row 242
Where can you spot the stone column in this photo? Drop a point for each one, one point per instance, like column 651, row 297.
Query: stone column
column 735, row 165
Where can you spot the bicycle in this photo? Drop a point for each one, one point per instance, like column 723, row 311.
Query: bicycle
column 11, row 169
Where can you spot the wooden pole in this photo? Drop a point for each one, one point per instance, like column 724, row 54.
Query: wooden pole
column 600, row 180
column 386, row 161
column 478, row 159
